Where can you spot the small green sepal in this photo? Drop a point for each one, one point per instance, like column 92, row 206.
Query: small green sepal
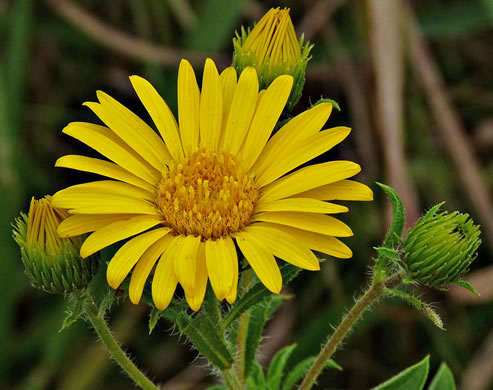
column 326, row 100
column 468, row 286
column 388, row 253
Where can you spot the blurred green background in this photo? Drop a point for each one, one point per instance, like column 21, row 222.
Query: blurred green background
column 415, row 82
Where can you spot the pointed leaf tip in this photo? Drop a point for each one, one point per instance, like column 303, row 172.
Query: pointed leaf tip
column 398, row 216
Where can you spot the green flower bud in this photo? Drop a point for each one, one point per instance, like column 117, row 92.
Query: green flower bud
column 52, row 263
column 273, row 49
column 438, row 250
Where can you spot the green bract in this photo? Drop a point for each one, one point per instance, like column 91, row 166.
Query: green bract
column 438, row 250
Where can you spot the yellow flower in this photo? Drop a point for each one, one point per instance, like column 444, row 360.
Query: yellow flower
column 273, row 49
column 212, row 180
column 52, row 263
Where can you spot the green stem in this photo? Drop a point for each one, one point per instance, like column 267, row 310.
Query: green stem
column 242, row 330
column 374, row 292
column 104, row 333
column 231, row 380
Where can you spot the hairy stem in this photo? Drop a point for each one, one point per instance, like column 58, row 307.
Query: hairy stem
column 231, row 380
column 374, row 292
column 242, row 330
column 104, row 333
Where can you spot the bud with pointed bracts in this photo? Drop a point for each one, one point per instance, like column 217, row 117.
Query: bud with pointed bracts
column 438, row 250
column 52, row 263
column 273, row 49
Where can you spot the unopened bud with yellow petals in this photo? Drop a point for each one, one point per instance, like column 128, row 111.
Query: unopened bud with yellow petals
column 273, row 48
column 52, row 263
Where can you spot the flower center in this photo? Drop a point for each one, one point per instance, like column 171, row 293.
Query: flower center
column 208, row 195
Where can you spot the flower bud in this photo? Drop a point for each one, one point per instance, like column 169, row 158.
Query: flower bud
column 438, row 250
column 273, row 49
column 52, row 263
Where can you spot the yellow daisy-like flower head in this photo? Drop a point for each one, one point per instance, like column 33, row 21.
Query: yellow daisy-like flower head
column 52, row 263
column 273, row 49
column 213, row 179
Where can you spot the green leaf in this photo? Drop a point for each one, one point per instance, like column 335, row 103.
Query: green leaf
column 412, row 378
column 385, row 262
column 257, row 294
column 276, row 367
column 443, row 379
column 218, row 387
column 76, row 310
column 211, row 306
column 205, row 337
column 300, row 370
column 256, row 322
column 256, row 380
column 154, row 317
column 468, row 286
column 108, row 299
column 398, row 217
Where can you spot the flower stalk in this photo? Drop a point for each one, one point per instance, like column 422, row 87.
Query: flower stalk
column 231, row 380
column 373, row 294
column 112, row 346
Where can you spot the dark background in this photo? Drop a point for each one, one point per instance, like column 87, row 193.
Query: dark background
column 414, row 81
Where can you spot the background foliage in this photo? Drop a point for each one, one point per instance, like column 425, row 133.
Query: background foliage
column 421, row 113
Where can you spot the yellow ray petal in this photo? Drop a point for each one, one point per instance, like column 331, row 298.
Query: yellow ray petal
column 104, row 141
column 211, row 107
column 96, row 203
column 302, row 126
column 309, row 177
column 269, row 109
column 282, row 245
column 195, row 301
column 117, row 231
column 160, row 114
column 241, row 112
column 220, row 268
column 188, row 107
column 131, row 129
column 340, row 190
column 317, row 223
column 228, row 85
column 261, row 260
column 110, row 187
column 231, row 249
column 186, row 263
column 144, row 266
column 128, row 255
column 298, row 154
column 318, row 242
column 306, row 205
column 78, row 224
column 165, row 281
column 103, row 168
